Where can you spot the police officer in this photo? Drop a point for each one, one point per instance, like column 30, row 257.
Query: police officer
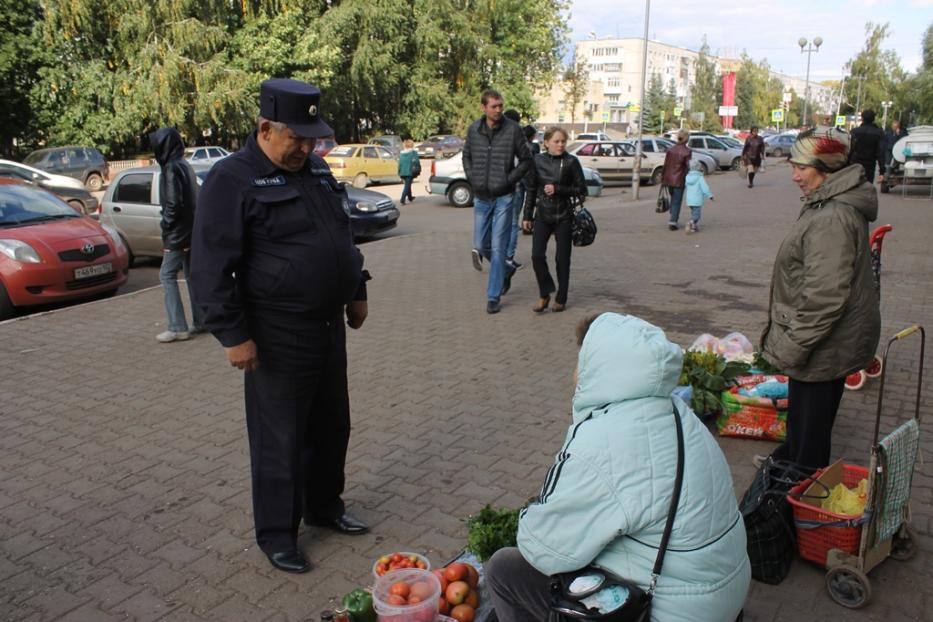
column 274, row 269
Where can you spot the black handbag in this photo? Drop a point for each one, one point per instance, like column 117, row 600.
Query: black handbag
column 769, row 520
column 593, row 593
column 664, row 200
column 583, row 227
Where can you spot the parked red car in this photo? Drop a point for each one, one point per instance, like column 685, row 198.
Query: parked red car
column 322, row 146
column 50, row 253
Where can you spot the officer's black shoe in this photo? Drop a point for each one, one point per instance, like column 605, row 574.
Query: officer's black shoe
column 493, row 306
column 289, row 561
column 342, row 524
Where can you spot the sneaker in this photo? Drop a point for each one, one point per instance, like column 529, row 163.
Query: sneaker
column 507, row 281
column 672, row 226
column 758, row 460
column 512, row 264
column 169, row 336
column 197, row 330
column 477, row 260
column 493, row 306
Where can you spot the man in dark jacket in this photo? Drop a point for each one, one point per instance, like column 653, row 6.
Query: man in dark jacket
column 868, row 146
column 676, row 166
column 891, row 137
column 495, row 158
column 178, row 194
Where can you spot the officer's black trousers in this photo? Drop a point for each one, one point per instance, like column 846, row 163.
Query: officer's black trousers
column 298, row 419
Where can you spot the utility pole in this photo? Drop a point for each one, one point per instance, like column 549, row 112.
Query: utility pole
column 842, row 85
column 858, row 99
column 636, row 170
column 802, row 42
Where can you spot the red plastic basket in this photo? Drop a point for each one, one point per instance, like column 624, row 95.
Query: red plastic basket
column 814, row 544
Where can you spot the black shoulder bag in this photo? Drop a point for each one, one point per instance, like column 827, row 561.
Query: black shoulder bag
column 583, row 227
column 593, row 593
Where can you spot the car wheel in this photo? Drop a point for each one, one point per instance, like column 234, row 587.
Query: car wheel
column 77, row 205
column 130, row 257
column 736, row 163
column 460, row 194
column 778, row 153
column 6, row 305
column 657, row 176
column 361, row 180
column 94, row 182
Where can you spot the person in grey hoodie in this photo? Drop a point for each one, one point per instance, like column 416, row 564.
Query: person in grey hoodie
column 178, row 195
column 823, row 319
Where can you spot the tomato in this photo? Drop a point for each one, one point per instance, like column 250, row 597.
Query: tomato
column 384, row 560
column 472, row 599
column 443, row 580
column 456, row 572
column 472, row 576
column 421, row 565
column 413, row 559
column 422, row 590
column 442, row 606
column 456, row 592
column 400, row 588
column 396, row 557
column 463, row 613
column 395, row 599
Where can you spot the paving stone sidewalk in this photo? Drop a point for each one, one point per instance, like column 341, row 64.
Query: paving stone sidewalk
column 124, row 473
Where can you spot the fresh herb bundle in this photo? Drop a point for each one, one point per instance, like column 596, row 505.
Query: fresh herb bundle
column 709, row 374
column 491, row 530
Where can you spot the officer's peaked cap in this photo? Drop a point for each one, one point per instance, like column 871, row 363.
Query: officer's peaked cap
column 294, row 103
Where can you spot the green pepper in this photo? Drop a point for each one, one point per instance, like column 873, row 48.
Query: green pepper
column 359, row 604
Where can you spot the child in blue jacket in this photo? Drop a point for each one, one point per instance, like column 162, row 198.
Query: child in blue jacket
column 696, row 194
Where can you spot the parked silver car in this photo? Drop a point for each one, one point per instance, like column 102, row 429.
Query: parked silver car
column 779, row 145
column 728, row 157
column 656, row 144
column 205, row 155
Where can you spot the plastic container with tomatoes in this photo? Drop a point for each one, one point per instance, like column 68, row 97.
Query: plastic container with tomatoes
column 407, row 595
column 400, row 561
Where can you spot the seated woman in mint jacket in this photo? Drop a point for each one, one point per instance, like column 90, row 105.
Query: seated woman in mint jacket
column 606, row 498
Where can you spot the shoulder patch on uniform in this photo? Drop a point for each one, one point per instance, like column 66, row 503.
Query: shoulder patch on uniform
column 318, row 170
column 262, row 182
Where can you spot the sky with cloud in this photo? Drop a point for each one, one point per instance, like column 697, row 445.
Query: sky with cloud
column 766, row 30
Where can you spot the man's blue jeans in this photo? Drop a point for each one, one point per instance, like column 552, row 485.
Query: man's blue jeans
column 518, row 199
column 677, row 198
column 492, row 221
column 174, row 262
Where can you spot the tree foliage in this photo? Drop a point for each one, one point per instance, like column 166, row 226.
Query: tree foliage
column 706, row 92
column 21, row 55
column 876, row 72
column 109, row 72
column 756, row 93
column 913, row 99
column 576, row 84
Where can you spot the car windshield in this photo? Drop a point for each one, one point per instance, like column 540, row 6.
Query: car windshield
column 341, row 151
column 33, row 157
column 20, row 205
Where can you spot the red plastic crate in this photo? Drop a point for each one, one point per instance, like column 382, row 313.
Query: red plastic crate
column 814, row 544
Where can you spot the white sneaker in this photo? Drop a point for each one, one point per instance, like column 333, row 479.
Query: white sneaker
column 169, row 336
column 758, row 460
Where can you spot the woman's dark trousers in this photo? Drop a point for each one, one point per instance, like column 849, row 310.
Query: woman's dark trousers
column 811, row 411
column 542, row 233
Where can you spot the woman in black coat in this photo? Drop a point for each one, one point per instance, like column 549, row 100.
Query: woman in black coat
column 552, row 182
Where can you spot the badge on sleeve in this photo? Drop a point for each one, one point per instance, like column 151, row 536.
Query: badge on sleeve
column 263, row 182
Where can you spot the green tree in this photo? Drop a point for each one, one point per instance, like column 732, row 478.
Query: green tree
column 913, row 99
column 756, row 93
column 659, row 104
column 21, row 56
column 706, row 91
column 576, row 84
column 876, row 72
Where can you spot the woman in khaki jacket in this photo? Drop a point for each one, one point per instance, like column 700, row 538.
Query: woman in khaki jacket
column 824, row 319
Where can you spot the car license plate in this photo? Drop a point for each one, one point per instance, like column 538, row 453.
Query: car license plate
column 89, row 271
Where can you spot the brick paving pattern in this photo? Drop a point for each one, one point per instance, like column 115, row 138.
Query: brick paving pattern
column 124, row 464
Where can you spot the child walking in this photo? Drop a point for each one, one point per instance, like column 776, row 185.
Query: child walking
column 696, row 194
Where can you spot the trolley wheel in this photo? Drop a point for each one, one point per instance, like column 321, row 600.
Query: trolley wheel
column 904, row 544
column 848, row 586
column 875, row 367
column 856, row 380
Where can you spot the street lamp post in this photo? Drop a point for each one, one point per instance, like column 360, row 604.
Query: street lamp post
column 636, row 170
column 884, row 116
column 815, row 47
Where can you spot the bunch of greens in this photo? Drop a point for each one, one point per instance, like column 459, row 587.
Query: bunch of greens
column 491, row 530
column 764, row 366
column 709, row 374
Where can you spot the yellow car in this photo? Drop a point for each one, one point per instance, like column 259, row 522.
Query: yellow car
column 363, row 164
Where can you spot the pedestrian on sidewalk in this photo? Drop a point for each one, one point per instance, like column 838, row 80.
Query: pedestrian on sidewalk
column 697, row 193
column 676, row 165
column 606, row 498
column 495, row 158
column 753, row 155
column 409, row 167
column 891, row 137
column 555, row 180
column 518, row 202
column 823, row 317
column 868, row 147
column 275, row 269
column 178, row 196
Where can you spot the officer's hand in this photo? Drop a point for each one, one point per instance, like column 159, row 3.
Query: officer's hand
column 243, row 356
column 356, row 313
column 526, row 225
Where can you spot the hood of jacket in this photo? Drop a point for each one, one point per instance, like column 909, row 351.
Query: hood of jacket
column 623, row 358
column 848, row 186
column 167, row 144
column 693, row 178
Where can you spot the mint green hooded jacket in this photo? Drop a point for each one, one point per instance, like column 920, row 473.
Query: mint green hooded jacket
column 606, row 498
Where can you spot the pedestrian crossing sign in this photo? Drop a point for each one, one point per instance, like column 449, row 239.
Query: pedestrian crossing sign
column 840, row 120
column 777, row 115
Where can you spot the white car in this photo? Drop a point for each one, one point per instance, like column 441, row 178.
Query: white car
column 728, row 157
column 657, row 145
column 40, row 177
column 449, row 179
column 205, row 155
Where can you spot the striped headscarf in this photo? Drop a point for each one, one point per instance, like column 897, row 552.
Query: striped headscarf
column 823, row 147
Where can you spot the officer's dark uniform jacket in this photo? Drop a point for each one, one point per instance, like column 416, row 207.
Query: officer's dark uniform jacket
column 270, row 242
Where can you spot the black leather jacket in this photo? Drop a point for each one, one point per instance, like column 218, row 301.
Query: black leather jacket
column 178, row 188
column 566, row 173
